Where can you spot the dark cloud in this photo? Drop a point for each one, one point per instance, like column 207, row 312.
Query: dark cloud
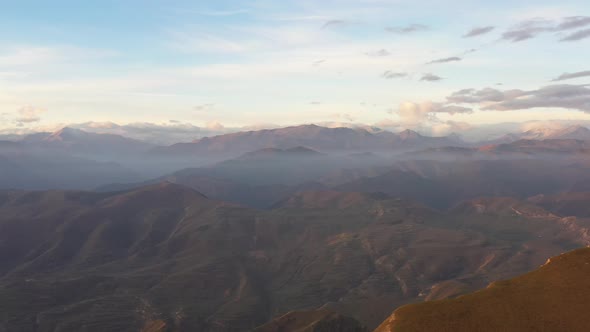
column 574, row 22
column 578, row 35
column 407, row 29
column 335, row 24
column 391, row 74
column 380, row 53
column 574, row 97
column 446, row 60
column 430, row 78
column 569, row 76
column 478, row 31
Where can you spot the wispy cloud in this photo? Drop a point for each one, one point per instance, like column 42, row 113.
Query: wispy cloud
column 380, row 53
column 429, row 77
column 527, row 30
column 335, row 24
column 532, row 28
column 478, row 31
column 578, row 35
column 569, row 76
column 204, row 107
column 388, row 74
column 446, row 60
column 574, row 22
column 407, row 29
column 318, row 62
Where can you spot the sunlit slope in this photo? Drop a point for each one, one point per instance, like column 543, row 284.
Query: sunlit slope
column 555, row 297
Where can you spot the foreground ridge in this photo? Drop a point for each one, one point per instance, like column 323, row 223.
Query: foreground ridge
column 555, row 297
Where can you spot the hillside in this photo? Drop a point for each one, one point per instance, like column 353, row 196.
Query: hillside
column 554, row 297
column 166, row 255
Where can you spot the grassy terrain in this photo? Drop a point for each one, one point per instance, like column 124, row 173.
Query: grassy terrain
column 556, row 297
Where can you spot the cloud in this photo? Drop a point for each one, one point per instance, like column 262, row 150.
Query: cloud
column 28, row 114
column 424, row 117
column 204, row 107
column 446, row 60
column 215, row 126
column 407, row 29
column 380, row 53
column 532, row 28
column 448, row 127
column 478, row 31
column 388, row 74
column 486, row 95
column 578, row 35
column 318, row 62
column 571, row 97
column 527, row 30
column 335, row 24
column 430, row 78
column 574, row 22
column 569, row 76
column 411, row 112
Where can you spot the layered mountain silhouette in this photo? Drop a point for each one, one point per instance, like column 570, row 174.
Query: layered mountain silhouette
column 77, row 141
column 311, row 136
column 580, row 133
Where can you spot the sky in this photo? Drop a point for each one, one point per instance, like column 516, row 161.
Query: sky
column 430, row 65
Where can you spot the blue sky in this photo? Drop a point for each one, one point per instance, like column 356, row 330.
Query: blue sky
column 247, row 63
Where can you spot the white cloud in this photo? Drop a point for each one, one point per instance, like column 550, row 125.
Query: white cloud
column 28, row 114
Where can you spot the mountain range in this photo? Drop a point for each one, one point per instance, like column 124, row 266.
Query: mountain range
column 570, row 132
column 310, row 136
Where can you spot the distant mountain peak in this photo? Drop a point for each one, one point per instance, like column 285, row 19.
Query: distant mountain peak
column 66, row 133
column 409, row 134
